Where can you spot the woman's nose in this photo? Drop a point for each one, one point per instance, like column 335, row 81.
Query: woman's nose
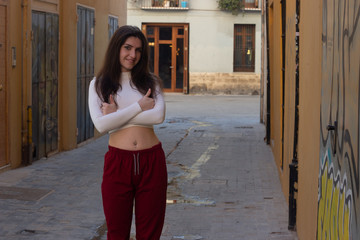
column 132, row 53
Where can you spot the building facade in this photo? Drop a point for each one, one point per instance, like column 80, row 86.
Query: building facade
column 197, row 48
column 311, row 112
column 49, row 51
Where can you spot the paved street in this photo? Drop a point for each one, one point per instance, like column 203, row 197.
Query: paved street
column 223, row 182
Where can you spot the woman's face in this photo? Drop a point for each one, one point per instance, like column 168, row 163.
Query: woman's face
column 130, row 53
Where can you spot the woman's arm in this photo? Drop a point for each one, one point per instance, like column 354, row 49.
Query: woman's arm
column 104, row 123
column 156, row 115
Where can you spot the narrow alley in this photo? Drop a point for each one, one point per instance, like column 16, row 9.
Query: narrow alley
column 223, row 181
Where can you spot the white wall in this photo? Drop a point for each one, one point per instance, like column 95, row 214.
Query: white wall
column 211, row 40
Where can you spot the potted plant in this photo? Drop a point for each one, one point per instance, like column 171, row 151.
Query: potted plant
column 233, row 6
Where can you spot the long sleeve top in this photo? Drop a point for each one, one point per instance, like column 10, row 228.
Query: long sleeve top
column 129, row 112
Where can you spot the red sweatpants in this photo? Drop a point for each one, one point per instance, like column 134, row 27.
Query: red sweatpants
column 140, row 176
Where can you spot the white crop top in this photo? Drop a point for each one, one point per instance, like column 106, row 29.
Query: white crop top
column 129, row 112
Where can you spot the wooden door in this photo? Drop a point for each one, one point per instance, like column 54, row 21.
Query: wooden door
column 45, row 42
column 85, row 71
column 169, row 54
column 3, row 84
column 338, row 192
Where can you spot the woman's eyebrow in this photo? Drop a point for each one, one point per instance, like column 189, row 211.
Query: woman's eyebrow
column 129, row 45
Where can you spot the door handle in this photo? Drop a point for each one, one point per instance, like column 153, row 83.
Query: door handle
column 1, row 87
column 171, row 67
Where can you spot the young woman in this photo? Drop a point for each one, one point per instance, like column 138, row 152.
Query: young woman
column 125, row 99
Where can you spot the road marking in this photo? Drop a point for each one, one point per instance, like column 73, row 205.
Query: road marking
column 194, row 170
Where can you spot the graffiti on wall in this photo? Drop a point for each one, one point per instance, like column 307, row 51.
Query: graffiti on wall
column 334, row 203
column 338, row 192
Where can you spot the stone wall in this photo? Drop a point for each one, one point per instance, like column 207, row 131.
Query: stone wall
column 225, row 83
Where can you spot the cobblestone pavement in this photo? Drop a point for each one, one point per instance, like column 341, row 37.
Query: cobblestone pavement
column 223, row 182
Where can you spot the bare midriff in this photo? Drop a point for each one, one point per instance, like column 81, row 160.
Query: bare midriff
column 133, row 138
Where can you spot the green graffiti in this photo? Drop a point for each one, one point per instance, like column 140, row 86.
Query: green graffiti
column 333, row 205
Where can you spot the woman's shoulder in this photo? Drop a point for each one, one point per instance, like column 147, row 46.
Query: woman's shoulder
column 92, row 81
column 92, row 85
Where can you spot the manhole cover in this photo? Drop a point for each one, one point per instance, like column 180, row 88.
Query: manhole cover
column 24, row 194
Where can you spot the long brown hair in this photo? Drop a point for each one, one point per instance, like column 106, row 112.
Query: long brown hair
column 108, row 78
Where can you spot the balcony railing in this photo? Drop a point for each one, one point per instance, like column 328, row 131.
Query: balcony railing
column 165, row 4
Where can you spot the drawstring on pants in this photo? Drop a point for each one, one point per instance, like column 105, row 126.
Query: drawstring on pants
column 136, row 164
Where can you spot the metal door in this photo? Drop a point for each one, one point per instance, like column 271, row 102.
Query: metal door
column 85, row 71
column 45, row 41
column 112, row 25
column 3, row 81
column 338, row 199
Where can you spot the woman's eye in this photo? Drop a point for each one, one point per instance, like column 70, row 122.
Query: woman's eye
column 127, row 47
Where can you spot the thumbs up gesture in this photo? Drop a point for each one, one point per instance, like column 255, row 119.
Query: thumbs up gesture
column 147, row 103
column 111, row 107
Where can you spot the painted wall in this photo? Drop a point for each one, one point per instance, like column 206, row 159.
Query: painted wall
column 68, row 57
column 19, row 77
column 338, row 201
column 309, row 104
column 276, row 100
column 14, row 81
column 309, row 120
column 204, row 46
column 289, row 90
column 210, row 50
column 282, row 93
column 264, row 73
column 328, row 161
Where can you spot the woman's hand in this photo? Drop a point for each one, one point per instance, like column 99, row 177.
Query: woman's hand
column 147, row 103
column 111, row 107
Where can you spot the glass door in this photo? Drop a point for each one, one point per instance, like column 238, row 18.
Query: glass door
column 165, row 65
column 169, row 55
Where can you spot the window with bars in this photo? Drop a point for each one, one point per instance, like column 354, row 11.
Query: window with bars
column 244, row 48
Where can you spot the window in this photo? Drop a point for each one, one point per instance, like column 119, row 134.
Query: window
column 244, row 48
column 250, row 3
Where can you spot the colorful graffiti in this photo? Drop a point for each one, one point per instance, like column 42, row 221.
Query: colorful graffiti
column 334, row 203
column 338, row 192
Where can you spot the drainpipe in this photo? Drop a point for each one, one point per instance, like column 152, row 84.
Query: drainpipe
column 268, row 76
column 294, row 164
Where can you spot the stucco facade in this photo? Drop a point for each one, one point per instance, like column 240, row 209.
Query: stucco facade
column 211, row 44
column 28, row 52
column 313, row 109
